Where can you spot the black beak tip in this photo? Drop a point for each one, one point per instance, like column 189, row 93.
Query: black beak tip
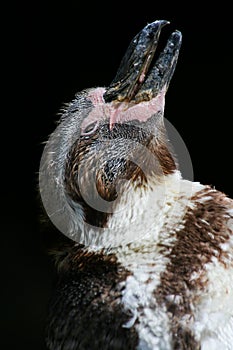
column 157, row 24
column 132, row 76
column 176, row 37
column 152, row 28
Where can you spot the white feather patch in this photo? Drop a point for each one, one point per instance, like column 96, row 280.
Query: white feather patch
column 213, row 317
column 162, row 213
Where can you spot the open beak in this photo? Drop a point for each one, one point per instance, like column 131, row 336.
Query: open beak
column 135, row 79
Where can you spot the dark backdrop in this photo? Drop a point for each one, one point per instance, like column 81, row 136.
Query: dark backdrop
column 59, row 49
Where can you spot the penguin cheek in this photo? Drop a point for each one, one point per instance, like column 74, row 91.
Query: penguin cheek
column 108, row 178
column 118, row 176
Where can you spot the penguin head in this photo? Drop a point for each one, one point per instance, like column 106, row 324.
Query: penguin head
column 110, row 147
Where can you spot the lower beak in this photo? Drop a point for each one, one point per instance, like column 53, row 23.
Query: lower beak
column 135, row 80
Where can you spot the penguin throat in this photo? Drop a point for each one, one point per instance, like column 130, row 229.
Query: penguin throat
column 141, row 216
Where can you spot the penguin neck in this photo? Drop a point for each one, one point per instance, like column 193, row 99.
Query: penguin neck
column 144, row 216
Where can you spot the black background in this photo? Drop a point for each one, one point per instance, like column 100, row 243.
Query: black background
column 56, row 50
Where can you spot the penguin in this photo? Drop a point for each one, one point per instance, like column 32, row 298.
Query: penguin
column 146, row 257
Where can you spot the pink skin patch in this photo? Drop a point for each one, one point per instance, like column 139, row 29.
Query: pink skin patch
column 120, row 112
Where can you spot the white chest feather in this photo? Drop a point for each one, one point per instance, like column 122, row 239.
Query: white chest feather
column 145, row 215
column 161, row 215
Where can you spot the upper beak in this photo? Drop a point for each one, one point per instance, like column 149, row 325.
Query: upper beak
column 134, row 80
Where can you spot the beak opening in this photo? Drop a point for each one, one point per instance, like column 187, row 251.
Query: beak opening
column 135, row 79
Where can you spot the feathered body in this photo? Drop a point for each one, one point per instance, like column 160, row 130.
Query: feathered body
column 151, row 261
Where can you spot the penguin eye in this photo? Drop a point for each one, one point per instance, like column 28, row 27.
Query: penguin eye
column 90, row 129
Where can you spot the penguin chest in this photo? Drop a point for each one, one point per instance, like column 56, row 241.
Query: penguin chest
column 148, row 317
